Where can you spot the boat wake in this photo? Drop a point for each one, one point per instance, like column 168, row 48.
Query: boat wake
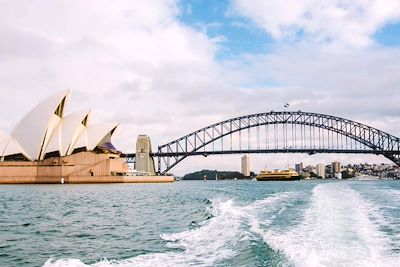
column 339, row 228
column 336, row 227
column 219, row 238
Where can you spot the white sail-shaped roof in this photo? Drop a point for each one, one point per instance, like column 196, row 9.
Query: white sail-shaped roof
column 46, row 132
column 10, row 146
column 4, row 140
column 94, row 134
column 67, row 132
column 97, row 133
column 82, row 140
column 33, row 132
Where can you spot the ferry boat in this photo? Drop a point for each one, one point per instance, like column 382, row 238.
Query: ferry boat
column 277, row 175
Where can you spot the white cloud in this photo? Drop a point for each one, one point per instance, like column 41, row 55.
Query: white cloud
column 361, row 84
column 138, row 64
column 335, row 22
column 119, row 58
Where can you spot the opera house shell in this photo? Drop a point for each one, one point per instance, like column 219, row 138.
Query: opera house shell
column 45, row 131
column 48, row 146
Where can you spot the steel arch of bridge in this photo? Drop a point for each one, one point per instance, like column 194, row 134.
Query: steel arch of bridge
column 375, row 141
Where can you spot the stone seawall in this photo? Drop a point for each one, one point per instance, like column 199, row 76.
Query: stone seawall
column 86, row 179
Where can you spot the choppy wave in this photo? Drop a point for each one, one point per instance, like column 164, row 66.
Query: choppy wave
column 388, row 210
column 339, row 227
column 218, row 239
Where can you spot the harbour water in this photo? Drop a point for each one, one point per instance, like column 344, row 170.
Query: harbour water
column 196, row 223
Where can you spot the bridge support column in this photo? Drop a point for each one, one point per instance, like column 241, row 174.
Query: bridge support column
column 144, row 162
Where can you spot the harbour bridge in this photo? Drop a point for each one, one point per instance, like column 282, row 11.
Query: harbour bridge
column 278, row 132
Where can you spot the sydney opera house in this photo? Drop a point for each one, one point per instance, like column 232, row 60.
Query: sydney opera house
column 48, row 146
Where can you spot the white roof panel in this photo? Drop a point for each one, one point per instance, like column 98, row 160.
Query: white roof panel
column 34, row 130
column 81, row 141
column 10, row 146
column 67, row 132
column 96, row 133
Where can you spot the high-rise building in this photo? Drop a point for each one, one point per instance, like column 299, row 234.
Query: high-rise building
column 336, row 167
column 321, row 170
column 298, row 167
column 246, row 165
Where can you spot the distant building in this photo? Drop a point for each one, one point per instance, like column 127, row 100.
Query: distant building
column 299, row 167
column 245, row 165
column 321, row 170
column 338, row 175
column 336, row 167
column 310, row 169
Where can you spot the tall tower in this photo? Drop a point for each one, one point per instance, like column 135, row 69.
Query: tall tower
column 245, row 165
column 299, row 167
column 144, row 163
column 321, row 170
column 336, row 167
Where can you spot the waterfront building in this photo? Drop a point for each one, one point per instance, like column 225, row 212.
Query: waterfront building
column 245, row 160
column 47, row 146
column 336, row 167
column 321, row 170
column 310, row 169
column 338, row 175
column 299, row 167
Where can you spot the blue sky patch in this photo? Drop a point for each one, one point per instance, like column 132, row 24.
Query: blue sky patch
column 389, row 35
column 236, row 35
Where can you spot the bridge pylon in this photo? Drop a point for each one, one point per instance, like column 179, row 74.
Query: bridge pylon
column 144, row 162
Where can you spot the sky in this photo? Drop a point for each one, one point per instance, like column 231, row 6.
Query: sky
column 166, row 68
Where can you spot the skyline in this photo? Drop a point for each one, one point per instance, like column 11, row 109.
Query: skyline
column 167, row 68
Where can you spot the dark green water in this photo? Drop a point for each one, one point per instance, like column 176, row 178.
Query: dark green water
column 232, row 223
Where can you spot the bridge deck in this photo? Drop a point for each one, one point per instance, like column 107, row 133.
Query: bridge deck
column 260, row 151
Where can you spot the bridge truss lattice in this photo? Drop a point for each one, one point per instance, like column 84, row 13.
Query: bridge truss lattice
column 280, row 132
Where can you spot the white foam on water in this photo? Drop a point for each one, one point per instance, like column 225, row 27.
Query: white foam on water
column 388, row 215
column 64, row 263
column 218, row 239
column 339, row 228
column 204, row 246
